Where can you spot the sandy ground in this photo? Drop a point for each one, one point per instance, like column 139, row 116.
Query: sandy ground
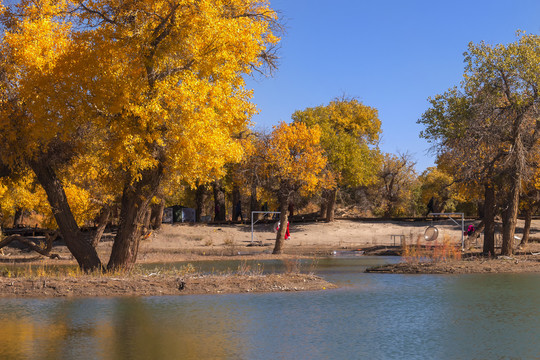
column 189, row 241
column 186, row 242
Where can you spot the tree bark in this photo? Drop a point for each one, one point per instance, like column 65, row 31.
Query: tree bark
column 235, row 199
column 324, row 204
column 18, row 217
column 200, row 194
column 331, row 204
column 82, row 250
column 136, row 198
column 49, row 239
column 526, row 227
column 283, row 218
column 102, row 221
column 489, row 220
column 146, row 222
column 476, row 234
column 156, row 217
column 219, row 201
column 510, row 217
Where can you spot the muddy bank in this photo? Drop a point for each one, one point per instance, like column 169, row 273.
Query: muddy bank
column 156, row 285
column 515, row 264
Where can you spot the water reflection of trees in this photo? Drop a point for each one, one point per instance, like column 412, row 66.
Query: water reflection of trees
column 133, row 328
column 141, row 330
column 24, row 338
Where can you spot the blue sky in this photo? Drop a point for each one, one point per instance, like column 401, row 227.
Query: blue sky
column 391, row 55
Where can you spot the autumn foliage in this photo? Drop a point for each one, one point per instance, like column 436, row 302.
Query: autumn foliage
column 153, row 89
column 291, row 160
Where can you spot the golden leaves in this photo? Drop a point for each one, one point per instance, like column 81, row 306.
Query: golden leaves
column 293, row 157
column 143, row 78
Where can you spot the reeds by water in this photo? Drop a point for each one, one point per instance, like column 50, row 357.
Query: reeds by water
column 435, row 251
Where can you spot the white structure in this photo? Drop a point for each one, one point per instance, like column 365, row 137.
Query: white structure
column 449, row 215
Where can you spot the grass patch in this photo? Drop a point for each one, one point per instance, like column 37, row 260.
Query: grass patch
column 40, row 271
column 230, row 246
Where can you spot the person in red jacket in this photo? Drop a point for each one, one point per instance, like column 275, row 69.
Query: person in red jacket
column 287, row 233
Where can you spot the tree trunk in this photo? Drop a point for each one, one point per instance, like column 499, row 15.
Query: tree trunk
column 283, row 218
column 219, row 201
column 200, row 194
column 156, row 217
column 331, row 205
column 235, row 199
column 476, row 234
column 489, row 220
column 102, row 221
column 82, row 250
column 146, row 222
column 324, row 204
column 510, row 217
column 18, row 217
column 526, row 227
column 136, row 198
column 45, row 251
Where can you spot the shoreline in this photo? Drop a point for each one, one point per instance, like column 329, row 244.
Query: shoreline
column 517, row 264
column 87, row 286
column 194, row 243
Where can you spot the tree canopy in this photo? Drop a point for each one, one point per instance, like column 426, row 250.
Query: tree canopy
column 349, row 135
column 490, row 125
column 151, row 88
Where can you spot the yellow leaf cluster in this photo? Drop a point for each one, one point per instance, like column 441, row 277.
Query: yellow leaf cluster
column 130, row 85
column 293, row 157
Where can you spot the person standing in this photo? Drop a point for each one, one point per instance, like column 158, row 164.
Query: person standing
column 238, row 211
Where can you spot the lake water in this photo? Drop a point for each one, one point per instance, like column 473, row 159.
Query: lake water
column 372, row 316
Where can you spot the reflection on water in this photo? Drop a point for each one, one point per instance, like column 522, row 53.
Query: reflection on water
column 372, row 316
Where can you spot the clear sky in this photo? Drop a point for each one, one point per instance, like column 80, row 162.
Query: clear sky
column 391, row 55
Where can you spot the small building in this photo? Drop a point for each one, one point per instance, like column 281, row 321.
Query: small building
column 178, row 213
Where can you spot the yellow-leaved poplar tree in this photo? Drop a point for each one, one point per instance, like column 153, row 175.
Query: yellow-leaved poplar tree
column 158, row 83
column 291, row 160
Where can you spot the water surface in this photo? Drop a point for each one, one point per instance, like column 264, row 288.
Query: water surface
column 372, row 316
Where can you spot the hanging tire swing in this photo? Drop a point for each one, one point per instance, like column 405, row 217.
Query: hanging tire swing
column 431, row 233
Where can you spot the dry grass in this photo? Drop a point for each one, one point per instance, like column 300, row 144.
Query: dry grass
column 447, row 249
column 292, row 266
column 30, row 272
column 244, row 269
column 230, row 246
column 208, row 242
